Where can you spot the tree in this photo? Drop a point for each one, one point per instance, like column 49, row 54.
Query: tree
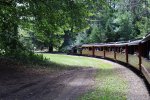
column 46, row 18
column 119, row 20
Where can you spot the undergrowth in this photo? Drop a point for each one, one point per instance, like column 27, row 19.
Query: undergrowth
column 31, row 60
column 24, row 58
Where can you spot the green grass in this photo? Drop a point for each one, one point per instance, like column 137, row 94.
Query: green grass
column 109, row 86
column 77, row 61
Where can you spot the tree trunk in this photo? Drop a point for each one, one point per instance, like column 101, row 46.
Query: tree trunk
column 50, row 47
column 67, row 39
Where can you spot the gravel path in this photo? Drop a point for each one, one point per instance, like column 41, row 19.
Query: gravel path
column 64, row 85
column 136, row 87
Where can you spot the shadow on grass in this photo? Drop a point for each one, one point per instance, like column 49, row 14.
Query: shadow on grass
column 105, row 77
column 21, row 64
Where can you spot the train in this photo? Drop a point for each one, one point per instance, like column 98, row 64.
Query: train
column 135, row 53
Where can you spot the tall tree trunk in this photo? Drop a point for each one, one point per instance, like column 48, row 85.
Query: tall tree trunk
column 50, row 47
column 67, row 39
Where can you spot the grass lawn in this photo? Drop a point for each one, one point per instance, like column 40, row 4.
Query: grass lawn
column 109, row 86
column 77, row 61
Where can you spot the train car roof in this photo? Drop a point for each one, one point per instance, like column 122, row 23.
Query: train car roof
column 94, row 44
column 121, row 44
column 98, row 45
column 134, row 42
column 106, row 44
column 147, row 38
column 130, row 43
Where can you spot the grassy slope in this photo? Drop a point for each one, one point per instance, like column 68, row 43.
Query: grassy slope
column 109, row 86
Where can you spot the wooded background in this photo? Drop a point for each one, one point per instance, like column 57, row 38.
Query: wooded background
column 61, row 24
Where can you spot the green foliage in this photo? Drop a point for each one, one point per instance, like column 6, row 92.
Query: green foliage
column 96, row 35
column 126, row 30
column 25, row 58
column 46, row 19
column 118, row 20
column 56, row 23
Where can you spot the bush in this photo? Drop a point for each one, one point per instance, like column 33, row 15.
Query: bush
column 25, row 58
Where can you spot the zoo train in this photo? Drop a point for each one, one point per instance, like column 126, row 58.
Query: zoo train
column 135, row 53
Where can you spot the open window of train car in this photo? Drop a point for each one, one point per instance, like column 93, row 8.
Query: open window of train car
column 118, row 49
column 145, row 53
column 123, row 50
column 79, row 50
column 112, row 49
column 90, row 48
column 102, row 49
column 96, row 49
column 75, row 50
column 133, row 49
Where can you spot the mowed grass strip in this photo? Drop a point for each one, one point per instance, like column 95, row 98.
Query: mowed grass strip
column 108, row 85
column 77, row 61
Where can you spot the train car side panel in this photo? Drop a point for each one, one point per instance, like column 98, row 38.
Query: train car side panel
column 133, row 56
column 99, row 53
column 134, row 61
column 109, row 52
column 85, row 51
column 121, row 53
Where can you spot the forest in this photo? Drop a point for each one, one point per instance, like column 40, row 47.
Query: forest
column 28, row 25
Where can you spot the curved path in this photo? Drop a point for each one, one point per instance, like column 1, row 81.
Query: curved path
column 64, row 85
column 136, row 87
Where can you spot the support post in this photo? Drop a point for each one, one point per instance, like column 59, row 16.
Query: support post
column 126, row 47
column 114, row 52
column 139, row 55
column 93, row 51
column 81, row 50
column 104, row 52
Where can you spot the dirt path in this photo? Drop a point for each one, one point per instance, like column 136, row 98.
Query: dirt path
column 61, row 86
column 137, row 89
column 64, row 85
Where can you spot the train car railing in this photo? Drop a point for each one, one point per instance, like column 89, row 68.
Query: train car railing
column 121, row 57
column 109, row 54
